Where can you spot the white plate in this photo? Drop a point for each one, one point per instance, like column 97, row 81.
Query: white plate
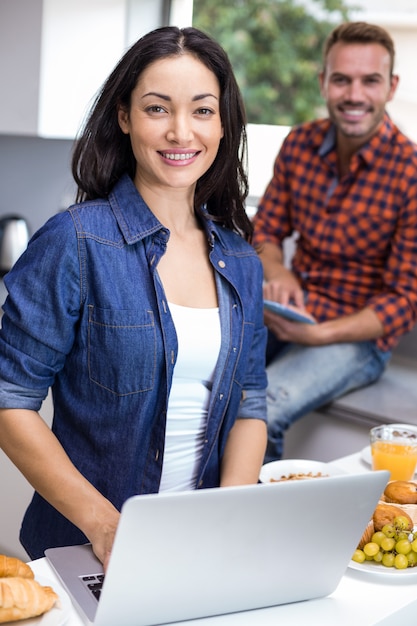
column 277, row 469
column 372, row 568
column 58, row 615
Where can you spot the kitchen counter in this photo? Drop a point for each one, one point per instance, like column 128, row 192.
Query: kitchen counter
column 366, row 599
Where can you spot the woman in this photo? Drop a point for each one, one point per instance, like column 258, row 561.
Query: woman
column 141, row 306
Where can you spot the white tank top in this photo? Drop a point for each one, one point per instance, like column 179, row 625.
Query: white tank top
column 199, row 337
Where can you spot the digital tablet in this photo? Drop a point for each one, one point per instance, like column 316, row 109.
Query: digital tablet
column 289, row 312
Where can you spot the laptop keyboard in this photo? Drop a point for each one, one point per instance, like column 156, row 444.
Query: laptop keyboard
column 93, row 583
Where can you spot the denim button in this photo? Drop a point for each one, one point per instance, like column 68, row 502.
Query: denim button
column 221, row 264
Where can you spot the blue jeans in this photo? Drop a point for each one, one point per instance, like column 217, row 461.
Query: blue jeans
column 304, row 378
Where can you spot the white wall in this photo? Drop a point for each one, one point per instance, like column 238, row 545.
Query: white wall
column 264, row 141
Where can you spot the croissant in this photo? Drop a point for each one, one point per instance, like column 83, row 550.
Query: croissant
column 21, row 598
column 10, row 566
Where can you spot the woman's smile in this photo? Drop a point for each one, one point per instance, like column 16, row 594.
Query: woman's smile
column 178, row 157
column 174, row 123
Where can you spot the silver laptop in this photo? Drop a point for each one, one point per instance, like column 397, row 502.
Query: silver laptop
column 180, row 556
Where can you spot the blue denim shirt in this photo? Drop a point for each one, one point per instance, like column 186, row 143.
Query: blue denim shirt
column 87, row 315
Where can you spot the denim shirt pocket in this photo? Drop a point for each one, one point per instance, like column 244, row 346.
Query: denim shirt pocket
column 121, row 349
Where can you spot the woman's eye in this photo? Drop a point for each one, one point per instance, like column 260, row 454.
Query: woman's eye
column 204, row 111
column 155, row 108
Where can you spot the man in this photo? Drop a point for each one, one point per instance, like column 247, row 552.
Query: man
column 347, row 185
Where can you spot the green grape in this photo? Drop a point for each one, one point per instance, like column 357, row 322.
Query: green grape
column 377, row 537
column 378, row 556
column 371, row 549
column 388, row 559
column 401, row 522
column 388, row 544
column 400, row 561
column 393, row 546
column 403, row 546
column 388, row 530
column 359, row 556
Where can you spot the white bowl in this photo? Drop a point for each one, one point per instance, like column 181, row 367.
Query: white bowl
column 276, row 469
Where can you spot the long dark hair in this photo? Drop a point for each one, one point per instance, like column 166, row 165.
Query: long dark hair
column 103, row 153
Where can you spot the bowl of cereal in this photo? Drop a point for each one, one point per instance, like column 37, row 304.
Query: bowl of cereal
column 296, row 469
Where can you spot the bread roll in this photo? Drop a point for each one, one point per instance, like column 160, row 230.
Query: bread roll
column 401, row 492
column 21, row 598
column 385, row 514
column 10, row 566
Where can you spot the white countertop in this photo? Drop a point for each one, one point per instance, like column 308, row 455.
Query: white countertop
column 365, row 599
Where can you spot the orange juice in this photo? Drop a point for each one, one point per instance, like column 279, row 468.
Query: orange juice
column 399, row 459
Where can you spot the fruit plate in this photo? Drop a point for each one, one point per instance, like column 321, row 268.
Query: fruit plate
column 371, row 568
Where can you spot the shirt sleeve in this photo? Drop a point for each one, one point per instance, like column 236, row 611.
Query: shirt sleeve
column 253, row 405
column 40, row 314
column 272, row 222
column 396, row 305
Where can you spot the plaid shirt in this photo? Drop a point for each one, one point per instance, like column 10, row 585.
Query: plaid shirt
column 357, row 236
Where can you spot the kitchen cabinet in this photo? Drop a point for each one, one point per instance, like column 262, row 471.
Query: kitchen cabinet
column 55, row 55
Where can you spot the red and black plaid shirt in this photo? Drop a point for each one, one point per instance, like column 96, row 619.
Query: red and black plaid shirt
column 357, row 244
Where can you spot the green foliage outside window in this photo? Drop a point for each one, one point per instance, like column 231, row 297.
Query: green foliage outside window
column 275, row 48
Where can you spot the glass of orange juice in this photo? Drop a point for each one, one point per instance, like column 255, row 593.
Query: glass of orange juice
column 394, row 448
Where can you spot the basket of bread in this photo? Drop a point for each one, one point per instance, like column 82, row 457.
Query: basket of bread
column 390, row 538
column 21, row 596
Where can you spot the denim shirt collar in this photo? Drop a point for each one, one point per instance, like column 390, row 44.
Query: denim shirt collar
column 135, row 219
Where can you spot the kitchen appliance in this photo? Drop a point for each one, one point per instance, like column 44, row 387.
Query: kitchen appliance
column 14, row 237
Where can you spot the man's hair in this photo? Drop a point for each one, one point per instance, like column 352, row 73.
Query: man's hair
column 360, row 32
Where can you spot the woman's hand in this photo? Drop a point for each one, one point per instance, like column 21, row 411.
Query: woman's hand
column 102, row 536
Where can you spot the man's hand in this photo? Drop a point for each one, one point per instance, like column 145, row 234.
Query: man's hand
column 281, row 284
column 297, row 332
column 284, row 289
column 361, row 326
